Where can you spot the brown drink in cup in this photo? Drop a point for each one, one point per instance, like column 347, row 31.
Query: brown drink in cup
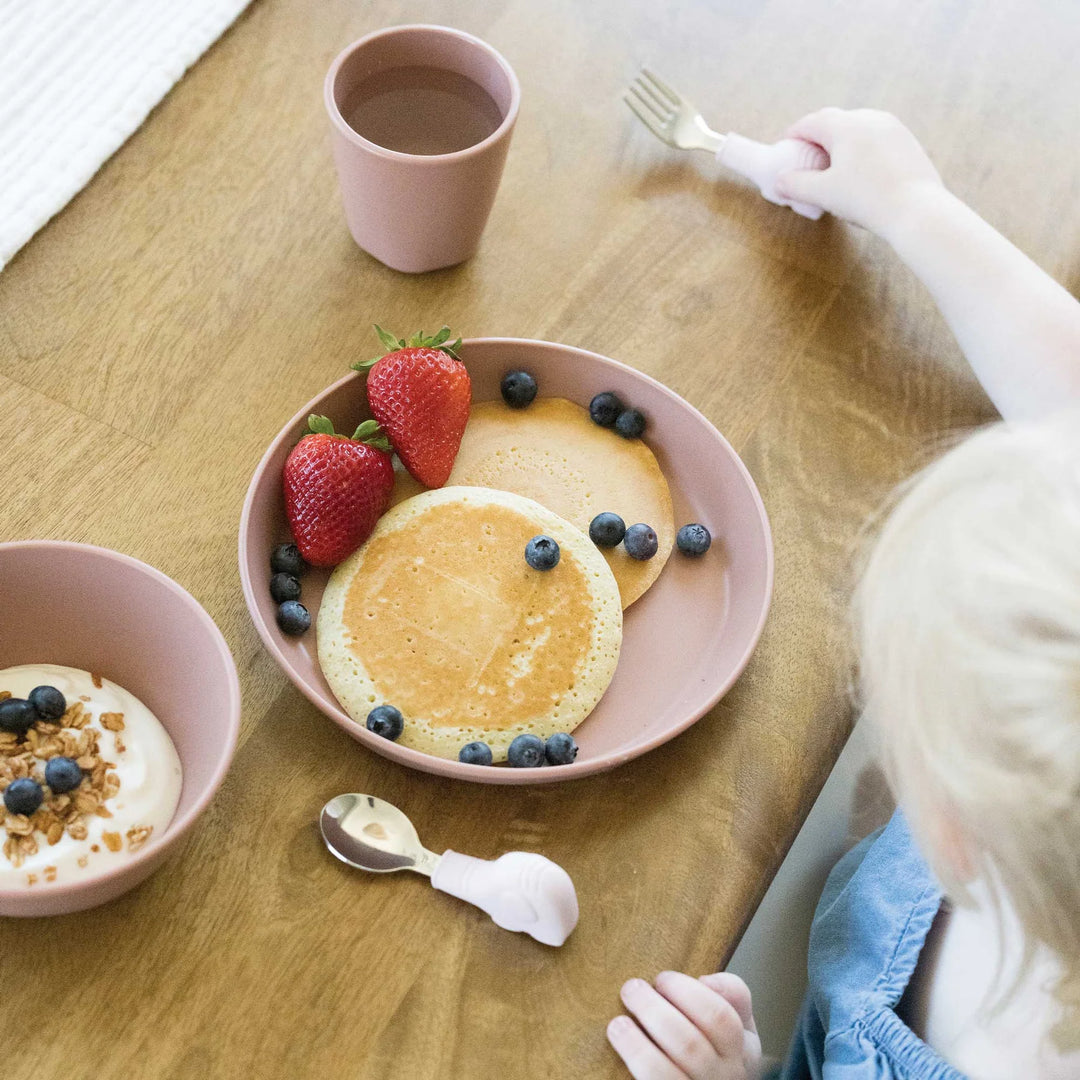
column 421, row 119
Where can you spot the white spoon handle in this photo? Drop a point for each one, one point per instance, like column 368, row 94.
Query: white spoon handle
column 521, row 891
column 764, row 162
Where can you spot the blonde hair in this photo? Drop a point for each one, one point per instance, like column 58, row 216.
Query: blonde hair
column 968, row 627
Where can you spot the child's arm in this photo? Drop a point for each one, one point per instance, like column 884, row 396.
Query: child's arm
column 688, row 1029
column 1018, row 328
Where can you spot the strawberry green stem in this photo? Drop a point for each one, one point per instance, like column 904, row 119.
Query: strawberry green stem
column 418, row 341
column 368, row 432
column 320, row 425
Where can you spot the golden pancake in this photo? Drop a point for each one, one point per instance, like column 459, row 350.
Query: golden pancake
column 439, row 615
column 553, row 453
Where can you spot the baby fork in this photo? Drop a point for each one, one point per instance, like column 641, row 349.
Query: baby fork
column 675, row 121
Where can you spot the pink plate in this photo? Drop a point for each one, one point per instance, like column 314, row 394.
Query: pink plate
column 684, row 642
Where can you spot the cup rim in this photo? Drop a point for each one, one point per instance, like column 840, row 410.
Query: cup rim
column 357, row 139
column 181, row 823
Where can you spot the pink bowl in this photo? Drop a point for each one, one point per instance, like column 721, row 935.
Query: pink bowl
column 684, row 642
column 98, row 610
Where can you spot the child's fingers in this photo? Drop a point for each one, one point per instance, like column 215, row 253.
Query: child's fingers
column 672, row 1032
column 639, row 1053
column 803, row 185
column 819, row 127
column 734, row 990
column 707, row 1010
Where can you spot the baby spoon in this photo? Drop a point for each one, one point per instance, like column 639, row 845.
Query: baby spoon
column 521, row 891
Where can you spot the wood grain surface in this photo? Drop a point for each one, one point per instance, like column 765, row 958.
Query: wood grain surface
column 156, row 335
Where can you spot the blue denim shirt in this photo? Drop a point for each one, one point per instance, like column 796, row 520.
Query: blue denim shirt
column 868, row 931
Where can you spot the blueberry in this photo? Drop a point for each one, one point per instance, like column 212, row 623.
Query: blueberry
column 286, row 559
column 284, row 587
column 386, row 721
column 23, row 796
column 560, row 749
column 526, row 752
column 62, row 774
column 542, row 553
column 607, row 530
column 518, row 389
column 17, row 715
column 48, row 702
column 630, row 424
column 640, row 542
column 693, row 539
column 475, row 753
column 605, row 408
column 293, row 618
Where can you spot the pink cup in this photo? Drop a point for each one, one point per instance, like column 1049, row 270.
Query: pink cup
column 418, row 211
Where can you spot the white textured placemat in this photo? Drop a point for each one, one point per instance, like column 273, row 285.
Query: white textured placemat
column 77, row 77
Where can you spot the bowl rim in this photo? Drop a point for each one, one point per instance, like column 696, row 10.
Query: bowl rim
column 577, row 770
column 181, row 823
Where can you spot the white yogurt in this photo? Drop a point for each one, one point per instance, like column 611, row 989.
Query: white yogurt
column 146, row 764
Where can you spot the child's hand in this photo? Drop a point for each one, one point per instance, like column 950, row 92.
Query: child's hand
column 875, row 166
column 690, row 1029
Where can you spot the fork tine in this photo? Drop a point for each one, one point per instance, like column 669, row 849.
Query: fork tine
column 646, row 117
column 659, row 103
column 661, row 117
column 675, row 98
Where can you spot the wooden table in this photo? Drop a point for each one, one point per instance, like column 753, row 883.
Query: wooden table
column 155, row 336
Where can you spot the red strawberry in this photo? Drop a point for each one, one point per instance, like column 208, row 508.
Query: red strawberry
column 420, row 392
column 336, row 489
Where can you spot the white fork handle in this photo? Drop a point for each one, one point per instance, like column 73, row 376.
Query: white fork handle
column 520, row 890
column 764, row 162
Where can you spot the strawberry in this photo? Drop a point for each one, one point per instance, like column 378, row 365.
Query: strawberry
column 419, row 392
column 336, row 489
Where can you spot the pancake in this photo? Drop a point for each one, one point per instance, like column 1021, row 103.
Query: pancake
column 553, row 453
column 439, row 615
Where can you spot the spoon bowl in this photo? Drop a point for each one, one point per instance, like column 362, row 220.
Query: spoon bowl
column 372, row 834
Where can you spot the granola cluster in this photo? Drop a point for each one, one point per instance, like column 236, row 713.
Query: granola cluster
column 26, row 756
